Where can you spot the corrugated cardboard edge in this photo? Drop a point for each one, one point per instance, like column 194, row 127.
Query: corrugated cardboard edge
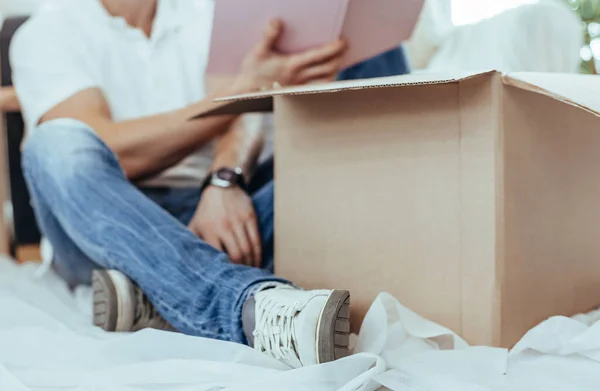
column 481, row 205
column 523, row 85
column 263, row 101
column 382, row 82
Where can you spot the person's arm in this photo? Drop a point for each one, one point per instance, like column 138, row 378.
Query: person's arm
column 240, row 146
column 225, row 218
column 8, row 100
column 148, row 145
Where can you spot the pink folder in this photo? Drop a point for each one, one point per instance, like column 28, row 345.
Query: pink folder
column 370, row 27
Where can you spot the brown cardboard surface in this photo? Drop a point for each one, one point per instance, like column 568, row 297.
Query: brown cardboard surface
column 370, row 202
column 577, row 90
column 481, row 217
column 473, row 199
column 552, row 215
column 262, row 101
column 400, row 197
column 412, row 79
column 264, row 105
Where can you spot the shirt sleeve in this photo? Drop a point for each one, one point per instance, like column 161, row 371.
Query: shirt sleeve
column 434, row 26
column 49, row 65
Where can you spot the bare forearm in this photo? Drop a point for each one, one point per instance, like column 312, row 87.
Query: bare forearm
column 150, row 145
column 8, row 100
column 241, row 145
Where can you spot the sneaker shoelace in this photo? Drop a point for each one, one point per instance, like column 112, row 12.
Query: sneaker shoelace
column 275, row 332
column 146, row 315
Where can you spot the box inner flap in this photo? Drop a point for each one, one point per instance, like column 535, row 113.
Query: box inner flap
column 262, row 101
column 574, row 89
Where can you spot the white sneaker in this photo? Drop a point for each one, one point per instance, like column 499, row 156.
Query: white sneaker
column 120, row 305
column 300, row 327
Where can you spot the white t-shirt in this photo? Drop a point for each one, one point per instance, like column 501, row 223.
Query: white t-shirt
column 72, row 45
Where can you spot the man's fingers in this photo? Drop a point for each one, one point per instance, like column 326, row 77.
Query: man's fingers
column 229, row 241
column 254, row 236
column 318, row 55
column 214, row 241
column 270, row 36
column 322, row 71
column 243, row 244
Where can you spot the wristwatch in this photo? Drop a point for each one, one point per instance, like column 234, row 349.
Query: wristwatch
column 226, row 178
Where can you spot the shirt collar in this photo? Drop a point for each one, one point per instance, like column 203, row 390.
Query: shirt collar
column 169, row 17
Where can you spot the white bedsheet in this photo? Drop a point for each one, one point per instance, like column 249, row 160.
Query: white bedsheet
column 47, row 343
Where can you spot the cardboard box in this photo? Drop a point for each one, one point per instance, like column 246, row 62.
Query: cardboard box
column 472, row 198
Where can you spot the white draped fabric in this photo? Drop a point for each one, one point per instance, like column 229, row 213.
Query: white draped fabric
column 47, row 343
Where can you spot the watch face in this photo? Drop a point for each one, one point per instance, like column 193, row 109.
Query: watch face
column 228, row 175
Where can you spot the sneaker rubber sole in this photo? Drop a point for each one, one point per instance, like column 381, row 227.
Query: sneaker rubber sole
column 333, row 329
column 113, row 295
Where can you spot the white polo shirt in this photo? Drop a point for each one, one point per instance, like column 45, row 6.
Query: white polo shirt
column 72, row 45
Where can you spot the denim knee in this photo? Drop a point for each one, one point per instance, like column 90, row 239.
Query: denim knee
column 65, row 149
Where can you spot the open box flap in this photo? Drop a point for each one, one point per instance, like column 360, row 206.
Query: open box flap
column 578, row 90
column 263, row 101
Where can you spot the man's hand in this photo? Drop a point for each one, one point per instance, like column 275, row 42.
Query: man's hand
column 264, row 67
column 226, row 220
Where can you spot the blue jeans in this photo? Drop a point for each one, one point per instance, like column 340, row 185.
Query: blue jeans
column 391, row 63
column 95, row 218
